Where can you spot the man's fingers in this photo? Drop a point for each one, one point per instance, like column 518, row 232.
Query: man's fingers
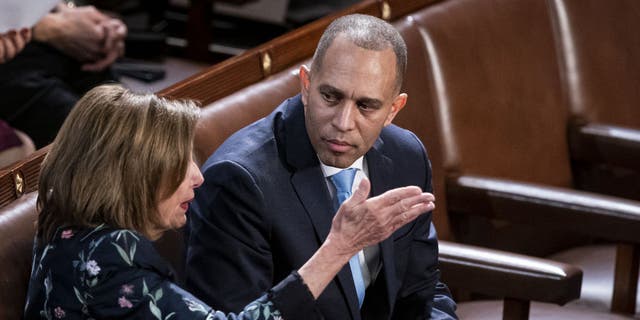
column 120, row 49
column 407, row 203
column 109, row 40
column 94, row 14
column 114, row 33
column 102, row 63
column 61, row 7
column 18, row 42
column 408, row 209
column 362, row 192
column 25, row 34
column 393, row 196
column 99, row 34
column 9, row 47
column 2, row 39
column 407, row 216
column 111, row 56
column 120, row 29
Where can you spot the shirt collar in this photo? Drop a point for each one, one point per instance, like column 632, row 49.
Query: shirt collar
column 329, row 170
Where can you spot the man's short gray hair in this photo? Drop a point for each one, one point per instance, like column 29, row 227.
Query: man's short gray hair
column 367, row 32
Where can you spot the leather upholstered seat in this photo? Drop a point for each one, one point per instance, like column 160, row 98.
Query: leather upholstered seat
column 494, row 80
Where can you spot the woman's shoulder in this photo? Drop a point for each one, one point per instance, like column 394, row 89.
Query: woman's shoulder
column 102, row 231
column 118, row 246
column 103, row 247
column 98, row 236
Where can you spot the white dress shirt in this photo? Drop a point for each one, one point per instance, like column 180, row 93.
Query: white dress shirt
column 370, row 261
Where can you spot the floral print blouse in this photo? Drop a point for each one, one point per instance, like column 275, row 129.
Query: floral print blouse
column 106, row 273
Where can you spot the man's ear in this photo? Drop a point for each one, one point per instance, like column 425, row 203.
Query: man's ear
column 397, row 105
column 305, row 83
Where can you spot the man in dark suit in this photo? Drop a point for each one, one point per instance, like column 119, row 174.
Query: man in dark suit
column 269, row 193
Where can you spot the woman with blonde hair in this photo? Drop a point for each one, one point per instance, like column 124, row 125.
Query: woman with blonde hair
column 119, row 174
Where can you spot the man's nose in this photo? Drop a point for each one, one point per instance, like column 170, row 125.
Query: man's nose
column 344, row 118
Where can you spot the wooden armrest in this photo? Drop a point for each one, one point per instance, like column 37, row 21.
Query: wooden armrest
column 508, row 275
column 606, row 144
column 607, row 217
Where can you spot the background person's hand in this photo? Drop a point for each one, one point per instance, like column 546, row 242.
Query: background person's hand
column 361, row 222
column 12, row 42
column 115, row 32
column 85, row 34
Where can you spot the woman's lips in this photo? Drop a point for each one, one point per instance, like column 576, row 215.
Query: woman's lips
column 185, row 205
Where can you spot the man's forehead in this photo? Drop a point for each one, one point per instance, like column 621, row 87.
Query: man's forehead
column 343, row 45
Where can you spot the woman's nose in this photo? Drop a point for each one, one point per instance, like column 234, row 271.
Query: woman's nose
column 196, row 175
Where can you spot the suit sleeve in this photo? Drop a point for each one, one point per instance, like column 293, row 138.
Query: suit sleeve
column 229, row 261
column 422, row 295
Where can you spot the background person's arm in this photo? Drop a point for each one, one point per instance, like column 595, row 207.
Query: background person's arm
column 12, row 42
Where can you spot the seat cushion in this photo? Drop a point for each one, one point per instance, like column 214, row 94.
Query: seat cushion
column 597, row 264
column 492, row 310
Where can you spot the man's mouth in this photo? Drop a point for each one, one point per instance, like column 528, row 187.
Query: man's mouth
column 339, row 146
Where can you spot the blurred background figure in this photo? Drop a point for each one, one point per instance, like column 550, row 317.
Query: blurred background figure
column 82, row 44
column 71, row 51
column 14, row 145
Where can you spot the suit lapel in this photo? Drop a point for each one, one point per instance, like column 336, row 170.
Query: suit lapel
column 312, row 191
column 381, row 177
column 306, row 178
column 310, row 187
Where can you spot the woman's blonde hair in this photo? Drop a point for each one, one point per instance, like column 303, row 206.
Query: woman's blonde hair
column 116, row 156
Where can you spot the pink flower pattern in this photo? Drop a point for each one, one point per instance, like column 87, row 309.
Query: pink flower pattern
column 59, row 313
column 126, row 289
column 66, row 234
column 124, row 303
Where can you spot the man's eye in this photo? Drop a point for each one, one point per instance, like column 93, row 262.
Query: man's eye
column 363, row 106
column 328, row 97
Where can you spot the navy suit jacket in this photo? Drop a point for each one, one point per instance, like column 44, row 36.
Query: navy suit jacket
column 264, row 209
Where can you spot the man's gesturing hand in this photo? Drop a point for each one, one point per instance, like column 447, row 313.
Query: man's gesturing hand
column 361, row 222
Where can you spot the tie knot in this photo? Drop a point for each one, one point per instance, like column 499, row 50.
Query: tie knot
column 343, row 180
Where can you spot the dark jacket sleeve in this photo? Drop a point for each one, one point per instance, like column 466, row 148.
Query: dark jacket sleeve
column 130, row 283
column 229, row 260
column 422, row 295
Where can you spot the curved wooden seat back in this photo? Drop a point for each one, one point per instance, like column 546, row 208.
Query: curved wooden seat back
column 599, row 42
column 496, row 89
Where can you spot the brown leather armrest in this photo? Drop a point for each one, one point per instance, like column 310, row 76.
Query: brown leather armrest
column 508, row 275
column 590, row 213
column 606, row 144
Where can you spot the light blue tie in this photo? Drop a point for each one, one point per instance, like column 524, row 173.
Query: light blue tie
column 343, row 181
